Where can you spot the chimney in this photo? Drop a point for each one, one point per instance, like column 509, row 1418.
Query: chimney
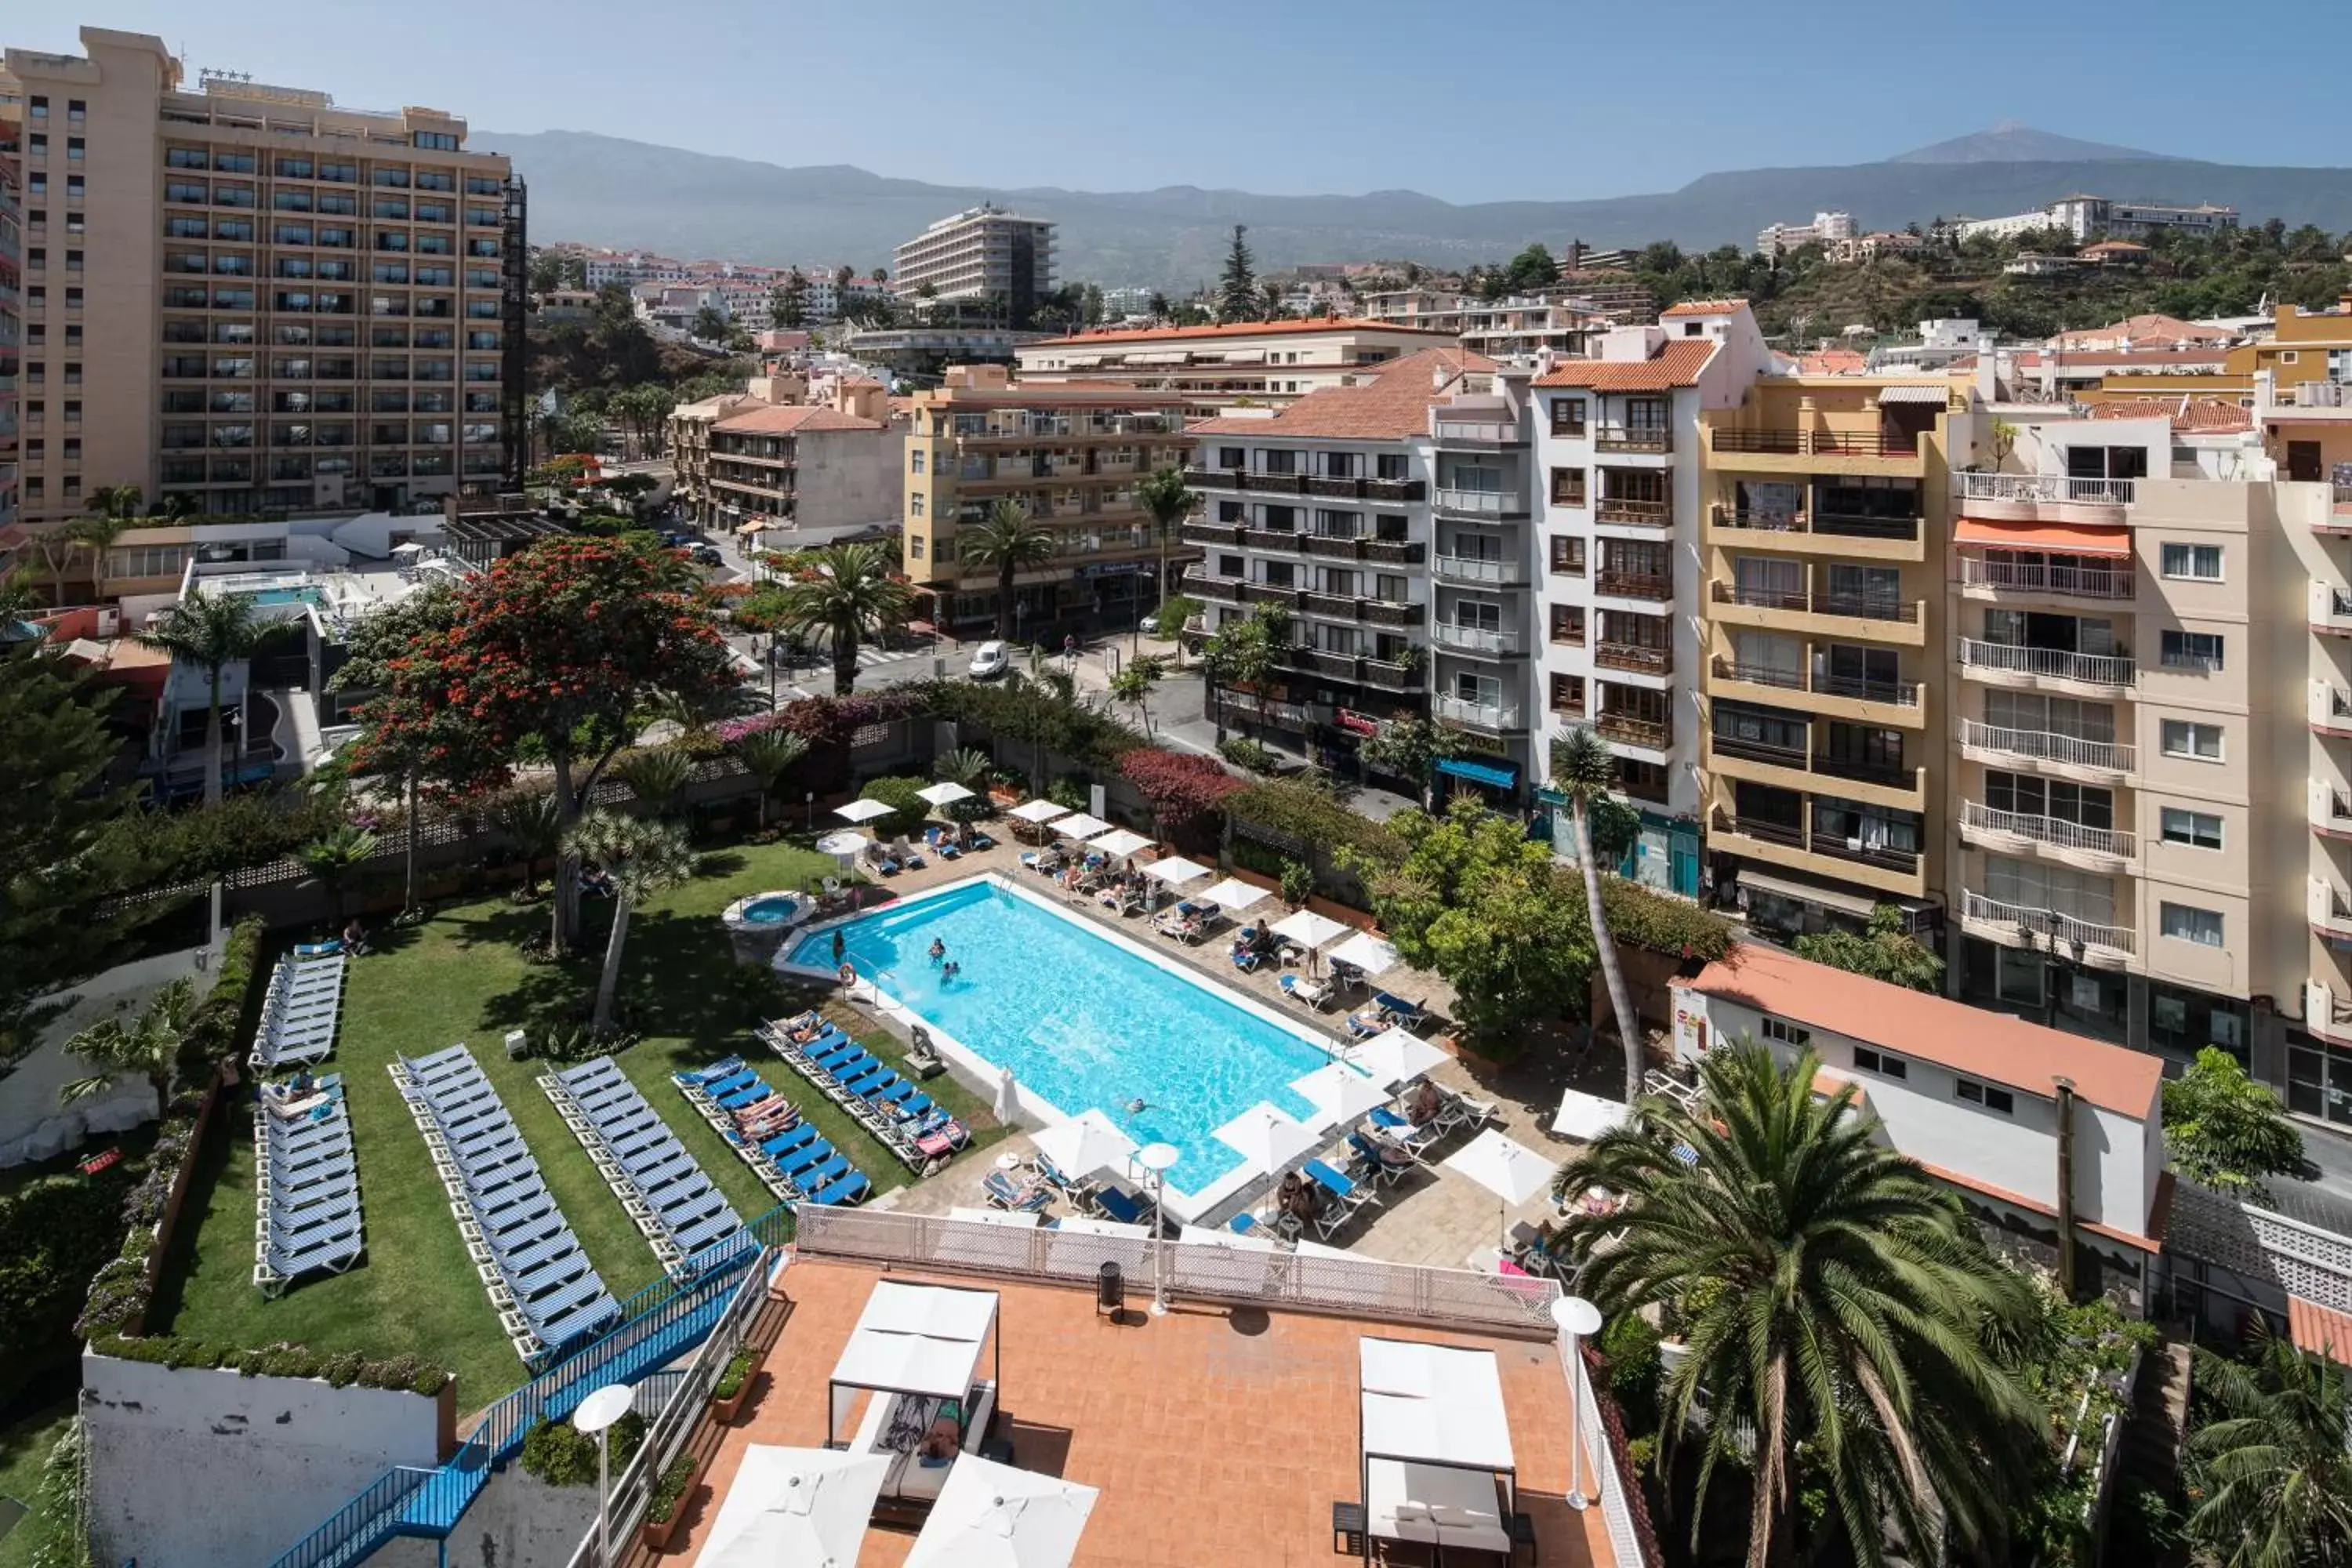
column 2065, row 1187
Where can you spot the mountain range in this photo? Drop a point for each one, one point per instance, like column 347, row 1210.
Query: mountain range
column 603, row 190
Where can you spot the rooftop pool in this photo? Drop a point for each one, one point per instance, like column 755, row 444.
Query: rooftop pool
column 1084, row 1019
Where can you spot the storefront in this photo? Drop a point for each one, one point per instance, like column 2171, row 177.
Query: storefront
column 1496, row 780
column 1664, row 856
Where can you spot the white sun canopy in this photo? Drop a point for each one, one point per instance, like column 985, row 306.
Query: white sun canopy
column 1078, row 825
column 1437, row 1403
column 1365, row 952
column 1120, row 843
column 1176, row 870
column 945, row 793
column 794, row 1505
column 1585, row 1117
column 1235, row 894
column 864, row 810
column 1308, row 929
column 918, row 1339
column 993, row 1516
column 1039, row 811
column 1340, row 1093
column 1504, row 1167
column 1267, row 1138
column 1395, row 1056
column 1086, row 1143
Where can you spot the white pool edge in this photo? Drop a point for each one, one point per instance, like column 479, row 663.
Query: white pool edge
column 981, row 1076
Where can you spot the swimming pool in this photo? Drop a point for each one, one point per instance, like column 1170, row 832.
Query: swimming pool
column 1081, row 1020
column 304, row 594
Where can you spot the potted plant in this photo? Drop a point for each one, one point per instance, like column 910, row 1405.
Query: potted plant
column 733, row 1389
column 669, row 1501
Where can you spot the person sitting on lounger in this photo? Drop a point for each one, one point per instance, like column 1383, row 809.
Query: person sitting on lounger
column 1426, row 1102
column 354, row 937
column 938, row 1444
column 1392, row 1154
column 1299, row 1198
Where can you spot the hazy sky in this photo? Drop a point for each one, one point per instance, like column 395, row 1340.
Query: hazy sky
column 1509, row 99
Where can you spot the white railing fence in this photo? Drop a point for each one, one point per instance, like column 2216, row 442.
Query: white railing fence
column 1602, row 1483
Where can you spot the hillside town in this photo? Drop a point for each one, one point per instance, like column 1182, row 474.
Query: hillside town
column 899, row 908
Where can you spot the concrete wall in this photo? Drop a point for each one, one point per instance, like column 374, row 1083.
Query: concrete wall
column 519, row 1522
column 200, row 1467
column 848, row 477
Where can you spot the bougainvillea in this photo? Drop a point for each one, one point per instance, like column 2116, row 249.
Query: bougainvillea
column 1182, row 789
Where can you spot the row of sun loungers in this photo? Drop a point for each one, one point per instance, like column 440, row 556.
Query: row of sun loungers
column 306, row 1187
column 763, row 1127
column 657, row 1181
column 1046, row 1182
column 298, row 1015
column 538, row 1277
column 1351, row 1175
column 900, row 1114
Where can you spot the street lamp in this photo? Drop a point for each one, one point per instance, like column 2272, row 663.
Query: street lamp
column 1575, row 1318
column 594, row 1419
column 1158, row 1159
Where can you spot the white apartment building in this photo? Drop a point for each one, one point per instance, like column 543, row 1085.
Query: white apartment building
column 1219, row 366
column 1500, row 328
column 983, row 257
column 2083, row 217
column 1614, row 557
column 1827, row 228
column 629, row 269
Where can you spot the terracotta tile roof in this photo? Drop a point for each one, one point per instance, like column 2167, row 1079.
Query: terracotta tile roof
column 1225, row 330
column 2150, row 1241
column 1704, row 307
column 1390, row 407
column 2319, row 1331
column 1675, row 364
column 2194, row 415
column 2170, row 329
column 1991, row 1046
column 1454, row 359
column 792, row 420
column 1832, row 362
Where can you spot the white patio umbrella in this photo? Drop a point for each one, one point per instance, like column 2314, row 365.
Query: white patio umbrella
column 1308, row 928
column 864, row 810
column 1086, row 1143
column 844, row 845
column 945, row 793
column 1176, row 870
column 1078, row 825
column 1365, row 952
column 1267, row 1140
column 1038, row 811
column 409, row 550
column 1340, row 1093
column 993, row 1516
column 1585, row 1117
column 1118, row 843
column 1395, row 1057
column 807, row 1506
column 1504, row 1167
column 1234, row 895
column 1008, row 1100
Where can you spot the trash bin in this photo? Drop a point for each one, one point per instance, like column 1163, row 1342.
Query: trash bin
column 1111, row 1291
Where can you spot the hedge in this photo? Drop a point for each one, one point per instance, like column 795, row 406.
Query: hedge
column 1310, row 819
column 1641, row 917
column 403, row 1374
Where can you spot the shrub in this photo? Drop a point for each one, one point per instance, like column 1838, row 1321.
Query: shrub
column 730, row 1381
column 563, row 1456
column 1640, row 917
column 904, row 797
column 1299, row 819
column 1252, row 756
column 670, row 1490
column 1071, row 792
column 1298, row 882
column 1631, row 1366
column 1183, row 790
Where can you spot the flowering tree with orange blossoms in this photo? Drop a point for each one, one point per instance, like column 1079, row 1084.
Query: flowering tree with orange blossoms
column 553, row 652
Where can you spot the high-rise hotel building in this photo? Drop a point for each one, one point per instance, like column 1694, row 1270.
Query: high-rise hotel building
column 249, row 298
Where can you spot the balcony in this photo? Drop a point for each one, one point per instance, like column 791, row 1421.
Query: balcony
column 1638, row 659
column 1852, row 606
column 1269, row 593
column 1395, row 552
column 1628, row 511
column 2068, row 755
column 1631, row 729
column 1475, row 433
column 1881, row 857
column 2330, row 709
column 1657, row 587
column 1477, row 569
column 2331, row 910
column 1224, row 533
column 1786, row 442
column 2009, row 665
column 1491, row 718
column 1988, row 576
column 2331, row 609
column 2020, row 925
column 1903, row 694
column 2331, row 811
column 2326, row 1015
column 1389, row 674
column 1223, row 590
column 2071, row 843
column 1318, row 661
column 2049, row 498
column 1633, row 437
column 1492, row 504
column 1477, row 640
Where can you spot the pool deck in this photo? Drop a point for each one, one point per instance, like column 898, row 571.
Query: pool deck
column 1435, row 1217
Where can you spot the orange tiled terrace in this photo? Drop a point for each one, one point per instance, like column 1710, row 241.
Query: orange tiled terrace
column 1216, row 1435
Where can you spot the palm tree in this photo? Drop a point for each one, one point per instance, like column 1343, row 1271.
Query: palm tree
column 1008, row 539
column 113, row 509
column 337, row 859
column 657, row 775
column 1165, row 500
column 850, row 596
column 769, row 754
column 149, row 1046
column 1832, row 1299
column 213, row 631
column 642, row 857
column 1583, row 769
column 2271, row 1472
column 532, row 821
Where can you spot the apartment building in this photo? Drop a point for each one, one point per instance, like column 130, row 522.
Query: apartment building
column 1827, row 228
column 1499, row 328
column 1219, row 367
column 1071, row 455
column 811, row 468
column 993, row 264
column 12, row 300
column 247, row 296
column 2083, row 216
column 1323, row 509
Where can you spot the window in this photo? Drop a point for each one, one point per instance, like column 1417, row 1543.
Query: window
column 2197, row 829
column 73, row 147
column 1567, row 555
column 1567, row 695
column 2197, row 651
column 1787, row 1034
column 1879, row 1062
column 1568, row 487
column 915, row 504
column 1568, row 625
column 2185, row 738
column 916, row 458
column 2184, row 923
column 915, row 546
column 1394, row 465
column 1984, row 1094
column 2198, row 561
column 437, row 140
column 1568, row 416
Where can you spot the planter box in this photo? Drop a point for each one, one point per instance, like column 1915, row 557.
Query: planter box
column 656, row 1535
column 724, row 1411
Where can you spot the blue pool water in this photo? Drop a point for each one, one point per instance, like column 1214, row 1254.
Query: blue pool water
column 305, row 594
column 769, row 912
column 1080, row 1020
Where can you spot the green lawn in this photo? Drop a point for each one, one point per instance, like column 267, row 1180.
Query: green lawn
column 23, row 1449
column 460, row 977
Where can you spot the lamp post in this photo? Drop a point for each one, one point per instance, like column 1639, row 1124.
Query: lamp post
column 1575, row 1318
column 594, row 1419
column 1158, row 1159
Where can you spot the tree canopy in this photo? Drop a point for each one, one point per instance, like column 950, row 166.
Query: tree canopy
column 2224, row 1130
column 1237, row 286
column 1886, row 950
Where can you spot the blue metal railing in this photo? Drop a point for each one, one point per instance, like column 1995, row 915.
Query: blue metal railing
column 659, row 1324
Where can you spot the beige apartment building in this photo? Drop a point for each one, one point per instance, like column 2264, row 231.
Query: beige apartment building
column 1227, row 365
column 251, row 299
column 993, row 265
column 1071, row 455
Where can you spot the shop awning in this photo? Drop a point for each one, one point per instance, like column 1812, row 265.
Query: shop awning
column 2058, row 538
column 1844, row 903
column 1909, row 393
column 1498, row 777
column 754, row 526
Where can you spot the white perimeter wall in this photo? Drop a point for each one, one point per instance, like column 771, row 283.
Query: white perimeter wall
column 198, row 1467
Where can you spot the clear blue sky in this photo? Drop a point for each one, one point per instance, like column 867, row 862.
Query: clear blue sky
column 1506, row 100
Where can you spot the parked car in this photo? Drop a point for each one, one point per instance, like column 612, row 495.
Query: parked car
column 708, row 555
column 990, row 660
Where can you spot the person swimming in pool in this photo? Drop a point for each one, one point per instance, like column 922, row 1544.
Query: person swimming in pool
column 939, row 950
column 950, row 970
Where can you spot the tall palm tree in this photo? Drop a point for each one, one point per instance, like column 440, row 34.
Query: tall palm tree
column 642, row 856
column 113, row 509
column 1834, row 1301
column 1008, row 539
column 1165, row 500
column 769, row 754
column 532, row 821
column 850, row 596
column 2273, row 1471
column 1582, row 770
column 213, row 631
column 657, row 775
column 337, row 857
column 148, row 1045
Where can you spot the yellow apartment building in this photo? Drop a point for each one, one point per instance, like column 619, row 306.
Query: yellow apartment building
column 1071, row 454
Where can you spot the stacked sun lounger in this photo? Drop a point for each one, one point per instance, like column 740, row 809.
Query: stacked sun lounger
column 789, row 1153
column 297, row 1017
column 538, row 1275
column 921, row 1133
column 306, row 1188
column 664, row 1191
